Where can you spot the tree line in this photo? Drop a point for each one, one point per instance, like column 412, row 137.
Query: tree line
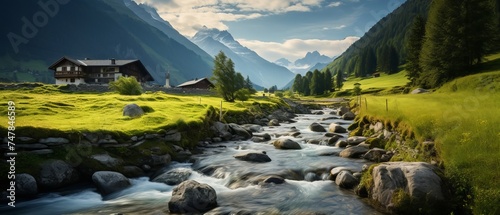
column 317, row 83
column 452, row 41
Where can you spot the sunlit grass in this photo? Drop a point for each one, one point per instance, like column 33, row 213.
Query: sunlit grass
column 463, row 119
column 92, row 112
column 383, row 82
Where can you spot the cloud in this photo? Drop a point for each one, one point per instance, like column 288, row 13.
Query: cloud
column 339, row 27
column 335, row 4
column 187, row 16
column 297, row 48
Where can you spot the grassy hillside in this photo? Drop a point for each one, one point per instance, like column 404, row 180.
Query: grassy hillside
column 462, row 117
column 383, row 82
column 44, row 107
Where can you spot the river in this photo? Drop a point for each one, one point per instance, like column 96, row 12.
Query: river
column 306, row 188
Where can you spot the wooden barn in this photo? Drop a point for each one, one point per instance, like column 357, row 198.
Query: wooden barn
column 203, row 83
column 87, row 71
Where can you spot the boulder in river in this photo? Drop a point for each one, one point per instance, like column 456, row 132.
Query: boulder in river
column 336, row 128
column 286, row 144
column 191, row 197
column 355, row 140
column 274, row 122
column 133, row 110
column 345, row 179
column 109, row 182
column 374, row 155
column 257, row 157
column 316, row 127
column 240, row 131
column 173, row 177
column 353, row 152
column 414, row 180
column 348, row 116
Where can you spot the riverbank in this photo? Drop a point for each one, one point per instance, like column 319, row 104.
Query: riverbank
column 80, row 134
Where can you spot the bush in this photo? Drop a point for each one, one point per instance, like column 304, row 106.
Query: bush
column 243, row 94
column 126, row 86
column 279, row 94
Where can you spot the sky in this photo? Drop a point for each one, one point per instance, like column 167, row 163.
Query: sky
column 279, row 28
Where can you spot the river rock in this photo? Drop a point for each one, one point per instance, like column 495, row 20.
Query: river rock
column 318, row 112
column 257, row 157
column 132, row 171
column 416, row 179
column 222, row 130
column 26, row 185
column 191, row 197
column 275, row 179
column 348, row 116
column 274, row 122
column 253, row 127
column 342, row 110
column 173, row 136
column 173, row 177
column 355, row 140
column 266, row 136
column 240, row 131
column 31, row 146
column 336, row 128
column 286, row 144
column 159, row 160
column 316, row 127
column 335, row 171
column 353, row 152
column 346, row 180
column 56, row 174
column 41, row 151
column 341, row 144
column 21, row 140
column 374, row 155
column 109, row 182
column 107, row 160
column 133, row 110
column 54, row 140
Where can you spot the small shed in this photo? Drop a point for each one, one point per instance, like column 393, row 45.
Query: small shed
column 203, row 83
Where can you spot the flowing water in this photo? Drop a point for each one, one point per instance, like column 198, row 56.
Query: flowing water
column 306, row 188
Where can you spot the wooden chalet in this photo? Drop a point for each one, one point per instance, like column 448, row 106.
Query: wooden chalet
column 71, row 71
column 203, row 83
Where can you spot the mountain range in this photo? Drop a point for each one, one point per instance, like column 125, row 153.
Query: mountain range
column 391, row 30
column 113, row 29
column 310, row 62
column 246, row 61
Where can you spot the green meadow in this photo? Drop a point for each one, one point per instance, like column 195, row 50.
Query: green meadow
column 46, row 107
column 463, row 119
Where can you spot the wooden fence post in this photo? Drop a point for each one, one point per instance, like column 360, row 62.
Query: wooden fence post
column 386, row 105
column 220, row 115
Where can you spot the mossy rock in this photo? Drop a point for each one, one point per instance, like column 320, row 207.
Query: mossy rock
column 376, row 143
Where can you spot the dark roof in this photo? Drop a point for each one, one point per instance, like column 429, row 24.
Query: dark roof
column 93, row 62
column 193, row 82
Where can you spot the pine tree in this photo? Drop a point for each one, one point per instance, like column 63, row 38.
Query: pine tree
column 413, row 48
column 315, row 84
column 339, row 80
column 305, row 86
column 458, row 33
column 297, row 84
column 328, row 82
column 249, row 85
column 393, row 61
column 367, row 63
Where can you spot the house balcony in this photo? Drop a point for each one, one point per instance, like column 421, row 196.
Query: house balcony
column 64, row 74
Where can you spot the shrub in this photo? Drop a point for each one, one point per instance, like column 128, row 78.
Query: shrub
column 279, row 94
column 243, row 94
column 126, row 86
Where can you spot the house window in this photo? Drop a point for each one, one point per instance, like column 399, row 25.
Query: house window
column 59, row 69
column 72, row 80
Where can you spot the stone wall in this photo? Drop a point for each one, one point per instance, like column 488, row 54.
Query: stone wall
column 97, row 88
